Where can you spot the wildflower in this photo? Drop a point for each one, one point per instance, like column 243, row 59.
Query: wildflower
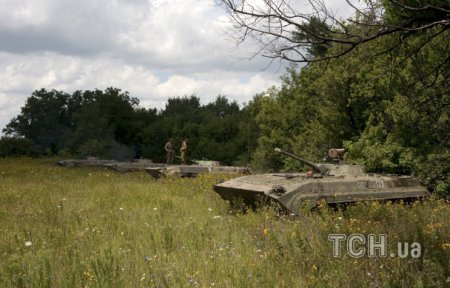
column 28, row 243
column 314, row 267
column 446, row 246
column 209, row 209
column 121, row 209
column 88, row 276
column 339, row 218
column 216, row 217
column 266, row 231
column 155, row 209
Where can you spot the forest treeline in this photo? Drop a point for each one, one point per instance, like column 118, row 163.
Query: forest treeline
column 388, row 107
column 111, row 124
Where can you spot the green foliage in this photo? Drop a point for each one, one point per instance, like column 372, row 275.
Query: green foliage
column 313, row 32
column 110, row 124
column 419, row 14
column 55, row 120
column 391, row 118
column 377, row 153
column 213, row 130
column 43, row 119
column 14, row 146
column 92, row 148
column 435, row 171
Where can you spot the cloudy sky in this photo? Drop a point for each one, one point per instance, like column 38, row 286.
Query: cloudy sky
column 154, row 49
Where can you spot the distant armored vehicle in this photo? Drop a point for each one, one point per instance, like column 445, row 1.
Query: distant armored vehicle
column 137, row 165
column 157, row 170
column 194, row 170
column 334, row 183
column 91, row 161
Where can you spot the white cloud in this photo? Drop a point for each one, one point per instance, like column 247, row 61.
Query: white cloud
column 155, row 49
column 24, row 74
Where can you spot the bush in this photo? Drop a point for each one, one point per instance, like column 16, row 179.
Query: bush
column 14, row 146
column 92, row 148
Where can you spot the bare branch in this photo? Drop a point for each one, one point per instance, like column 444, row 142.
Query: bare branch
column 283, row 31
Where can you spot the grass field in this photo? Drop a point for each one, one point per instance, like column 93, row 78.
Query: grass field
column 86, row 227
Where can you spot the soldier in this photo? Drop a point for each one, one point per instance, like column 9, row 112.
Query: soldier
column 169, row 150
column 336, row 155
column 183, row 150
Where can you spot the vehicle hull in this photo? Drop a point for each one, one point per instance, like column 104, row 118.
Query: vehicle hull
column 290, row 191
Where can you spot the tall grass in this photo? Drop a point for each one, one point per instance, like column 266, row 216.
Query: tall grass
column 87, row 227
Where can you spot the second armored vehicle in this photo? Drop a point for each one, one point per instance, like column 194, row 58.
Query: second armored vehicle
column 333, row 183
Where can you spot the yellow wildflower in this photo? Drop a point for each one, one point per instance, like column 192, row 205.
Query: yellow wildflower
column 446, row 246
column 88, row 276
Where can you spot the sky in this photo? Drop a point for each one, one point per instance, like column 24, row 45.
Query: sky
column 154, row 49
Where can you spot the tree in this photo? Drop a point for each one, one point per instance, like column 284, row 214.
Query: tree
column 104, row 119
column 55, row 120
column 392, row 119
column 44, row 119
column 219, row 133
column 286, row 31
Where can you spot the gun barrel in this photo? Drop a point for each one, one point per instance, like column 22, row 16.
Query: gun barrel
column 306, row 162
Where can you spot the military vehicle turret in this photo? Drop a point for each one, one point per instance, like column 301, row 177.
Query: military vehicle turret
column 334, row 183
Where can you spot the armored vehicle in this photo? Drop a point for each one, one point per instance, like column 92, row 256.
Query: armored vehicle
column 90, row 161
column 157, row 170
column 133, row 166
column 333, row 183
column 136, row 165
column 194, row 170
